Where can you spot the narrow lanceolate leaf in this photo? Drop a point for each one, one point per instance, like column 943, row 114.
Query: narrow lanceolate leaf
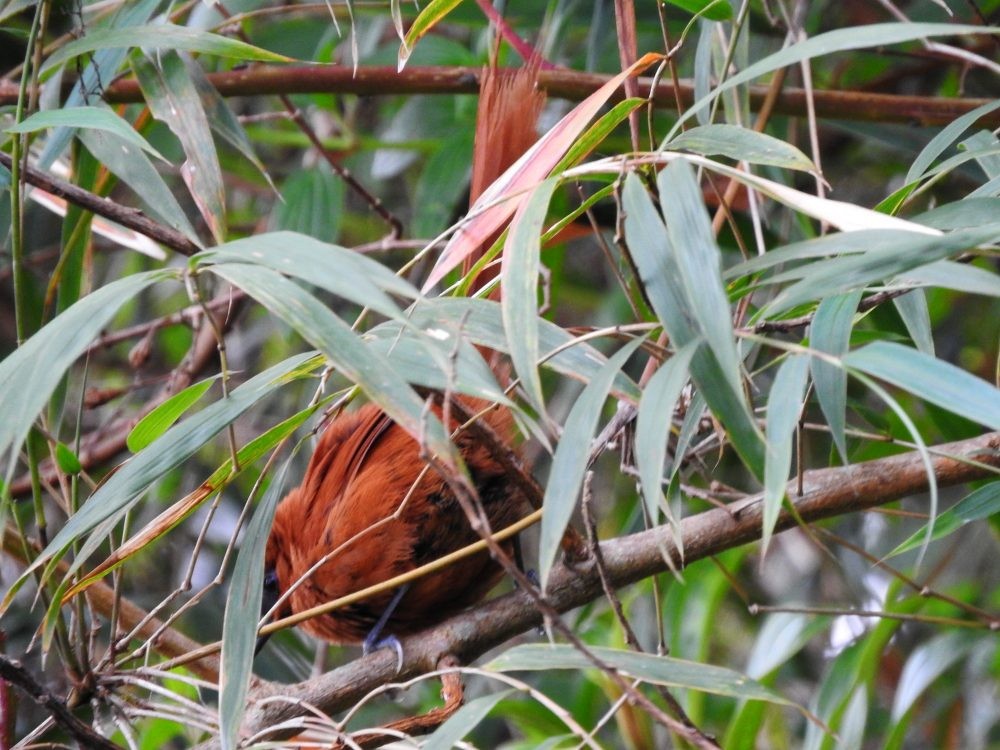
column 318, row 325
column 160, row 419
column 172, row 449
column 174, row 100
column 432, row 13
column 742, row 144
column 481, row 322
column 838, row 275
column 961, row 277
column 978, row 504
column 931, row 379
column 830, row 333
column 700, row 263
column 519, row 279
column 912, row 308
column 661, row 277
column 467, row 718
column 160, row 36
column 713, row 10
column 928, row 662
column 943, row 140
column 569, row 464
column 100, row 118
column 30, row 373
column 133, row 167
column 653, row 423
column 784, row 405
column 839, row 40
column 659, row 670
column 340, row 271
column 222, row 119
column 498, row 202
column 239, row 623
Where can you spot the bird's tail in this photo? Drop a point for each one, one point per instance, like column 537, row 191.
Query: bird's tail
column 506, row 126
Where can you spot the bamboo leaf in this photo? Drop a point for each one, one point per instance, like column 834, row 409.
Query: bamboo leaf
column 830, row 333
column 519, row 277
column 160, row 36
column 931, row 379
column 467, row 718
column 784, row 406
column 659, row 670
column 239, row 622
column 99, row 118
column 160, row 419
column 653, row 423
column 569, row 464
column 31, row 373
column 742, row 144
column 174, row 100
column 978, row 504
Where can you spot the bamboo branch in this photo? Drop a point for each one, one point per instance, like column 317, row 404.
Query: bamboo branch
column 557, row 83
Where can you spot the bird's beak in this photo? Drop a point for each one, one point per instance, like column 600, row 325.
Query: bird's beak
column 267, row 602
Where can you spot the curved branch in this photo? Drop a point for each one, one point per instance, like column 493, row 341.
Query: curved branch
column 827, row 493
column 557, row 83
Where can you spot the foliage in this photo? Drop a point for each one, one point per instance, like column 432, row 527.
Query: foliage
column 797, row 271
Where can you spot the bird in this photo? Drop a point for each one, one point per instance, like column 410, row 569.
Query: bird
column 368, row 506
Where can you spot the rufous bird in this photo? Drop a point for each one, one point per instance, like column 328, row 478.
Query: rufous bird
column 365, row 467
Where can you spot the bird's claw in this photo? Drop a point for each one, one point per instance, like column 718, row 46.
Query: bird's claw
column 374, row 643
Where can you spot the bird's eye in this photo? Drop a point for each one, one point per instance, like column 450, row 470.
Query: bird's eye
column 270, row 580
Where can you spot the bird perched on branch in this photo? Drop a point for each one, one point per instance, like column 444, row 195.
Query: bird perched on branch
column 370, row 504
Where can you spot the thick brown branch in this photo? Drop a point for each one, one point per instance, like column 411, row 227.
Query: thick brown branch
column 565, row 84
column 827, row 493
column 131, row 218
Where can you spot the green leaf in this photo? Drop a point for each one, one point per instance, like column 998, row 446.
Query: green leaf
column 653, row 423
column 928, row 662
column 160, row 419
column 174, row 100
column 659, row 670
column 467, row 718
column 31, row 373
column 830, row 333
column 931, row 379
column 93, row 118
column 67, row 460
column 784, row 406
column 741, row 144
column 948, row 135
column 480, row 321
column 596, row 133
column 239, row 623
column 660, row 273
column 978, row 504
column 569, row 464
column 431, row 14
column 338, row 270
column 713, row 10
column 318, row 325
column 840, row 40
column 838, row 275
column 135, row 169
column 699, row 261
column 961, row 277
column 160, row 36
column 519, row 302
column 912, row 308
